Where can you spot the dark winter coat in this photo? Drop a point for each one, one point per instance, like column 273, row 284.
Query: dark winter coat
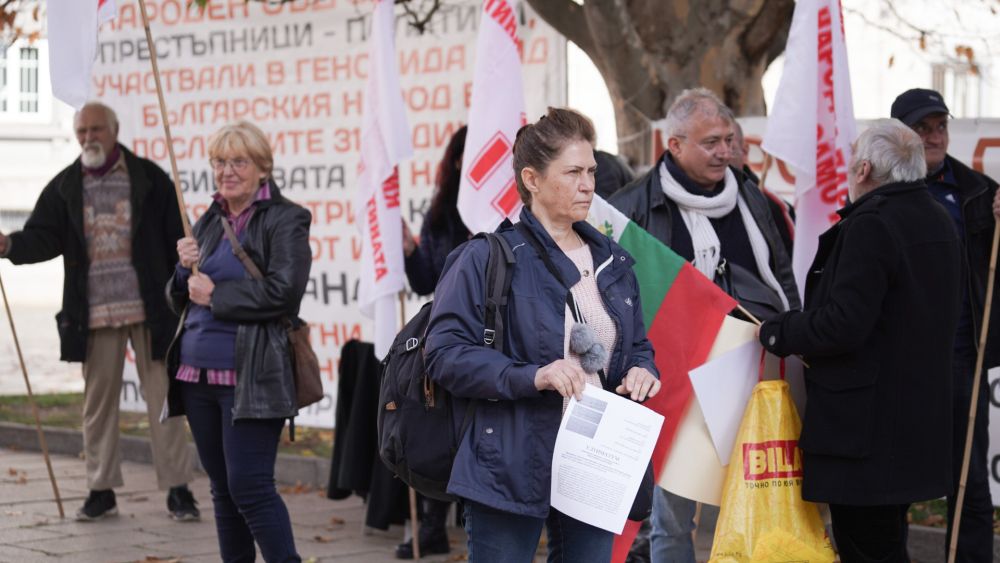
column 55, row 228
column 976, row 192
column 505, row 459
column 424, row 266
column 882, row 305
column 644, row 202
column 277, row 240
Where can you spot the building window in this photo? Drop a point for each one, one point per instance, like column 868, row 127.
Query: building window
column 29, row 80
column 960, row 86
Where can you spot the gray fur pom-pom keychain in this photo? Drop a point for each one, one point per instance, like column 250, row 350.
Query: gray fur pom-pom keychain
column 584, row 343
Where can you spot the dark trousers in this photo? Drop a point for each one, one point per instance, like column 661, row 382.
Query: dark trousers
column 433, row 521
column 239, row 459
column 975, row 532
column 870, row 534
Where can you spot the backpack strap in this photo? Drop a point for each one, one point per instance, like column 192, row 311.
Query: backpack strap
column 499, row 271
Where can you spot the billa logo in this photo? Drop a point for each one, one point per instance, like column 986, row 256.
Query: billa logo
column 771, row 460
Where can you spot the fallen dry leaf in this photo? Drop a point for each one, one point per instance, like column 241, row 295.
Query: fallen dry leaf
column 322, row 539
column 138, row 499
column 337, row 521
column 932, row 520
column 12, row 472
column 154, row 559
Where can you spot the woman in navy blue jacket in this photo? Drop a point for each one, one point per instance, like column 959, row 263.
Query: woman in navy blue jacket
column 442, row 231
column 503, row 465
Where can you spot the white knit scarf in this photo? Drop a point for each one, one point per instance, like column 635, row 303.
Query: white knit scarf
column 696, row 210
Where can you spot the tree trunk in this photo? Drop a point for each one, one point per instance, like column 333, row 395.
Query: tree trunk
column 648, row 51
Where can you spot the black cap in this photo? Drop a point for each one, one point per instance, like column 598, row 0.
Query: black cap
column 913, row 105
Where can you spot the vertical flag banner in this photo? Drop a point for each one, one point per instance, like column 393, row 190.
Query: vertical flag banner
column 385, row 142
column 72, row 33
column 488, row 193
column 812, row 125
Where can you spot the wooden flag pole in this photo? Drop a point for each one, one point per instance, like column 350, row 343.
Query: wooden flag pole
column 166, row 126
column 31, row 400
column 973, row 402
column 414, row 524
column 757, row 322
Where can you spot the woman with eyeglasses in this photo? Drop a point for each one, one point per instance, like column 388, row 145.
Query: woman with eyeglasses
column 230, row 363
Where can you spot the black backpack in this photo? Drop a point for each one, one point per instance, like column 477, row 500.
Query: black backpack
column 414, row 413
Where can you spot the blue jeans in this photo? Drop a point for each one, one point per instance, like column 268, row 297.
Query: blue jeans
column 673, row 522
column 239, row 459
column 501, row 537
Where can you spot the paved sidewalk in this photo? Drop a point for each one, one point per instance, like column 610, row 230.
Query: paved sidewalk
column 30, row 528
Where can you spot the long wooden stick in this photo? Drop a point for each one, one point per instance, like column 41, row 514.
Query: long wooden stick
column 166, row 126
column 748, row 314
column 984, row 331
column 413, row 492
column 413, row 523
column 31, row 400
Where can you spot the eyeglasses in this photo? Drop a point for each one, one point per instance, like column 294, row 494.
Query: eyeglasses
column 238, row 164
column 924, row 129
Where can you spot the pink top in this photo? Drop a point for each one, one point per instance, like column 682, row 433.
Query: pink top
column 588, row 300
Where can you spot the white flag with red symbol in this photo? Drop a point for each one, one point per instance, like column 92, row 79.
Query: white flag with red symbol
column 488, row 193
column 71, row 26
column 385, row 141
column 812, row 124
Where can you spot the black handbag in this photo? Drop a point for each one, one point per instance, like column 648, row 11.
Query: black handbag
column 748, row 290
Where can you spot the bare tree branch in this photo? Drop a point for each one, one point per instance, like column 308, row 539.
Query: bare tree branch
column 418, row 20
column 566, row 17
column 762, row 34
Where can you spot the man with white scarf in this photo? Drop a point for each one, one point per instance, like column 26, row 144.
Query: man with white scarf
column 726, row 228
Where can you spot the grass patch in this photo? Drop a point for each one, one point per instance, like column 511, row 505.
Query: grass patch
column 934, row 513
column 65, row 410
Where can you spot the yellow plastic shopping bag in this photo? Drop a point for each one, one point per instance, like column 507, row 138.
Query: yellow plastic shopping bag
column 763, row 517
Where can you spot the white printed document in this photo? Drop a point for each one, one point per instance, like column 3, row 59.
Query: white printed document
column 601, row 454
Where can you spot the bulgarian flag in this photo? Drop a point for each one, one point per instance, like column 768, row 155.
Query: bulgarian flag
column 683, row 311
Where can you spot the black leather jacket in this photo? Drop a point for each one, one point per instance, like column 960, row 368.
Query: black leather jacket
column 644, row 202
column 277, row 240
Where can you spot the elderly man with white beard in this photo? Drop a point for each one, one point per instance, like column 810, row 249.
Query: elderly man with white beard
column 113, row 217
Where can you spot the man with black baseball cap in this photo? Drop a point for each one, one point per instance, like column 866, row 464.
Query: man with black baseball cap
column 969, row 197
